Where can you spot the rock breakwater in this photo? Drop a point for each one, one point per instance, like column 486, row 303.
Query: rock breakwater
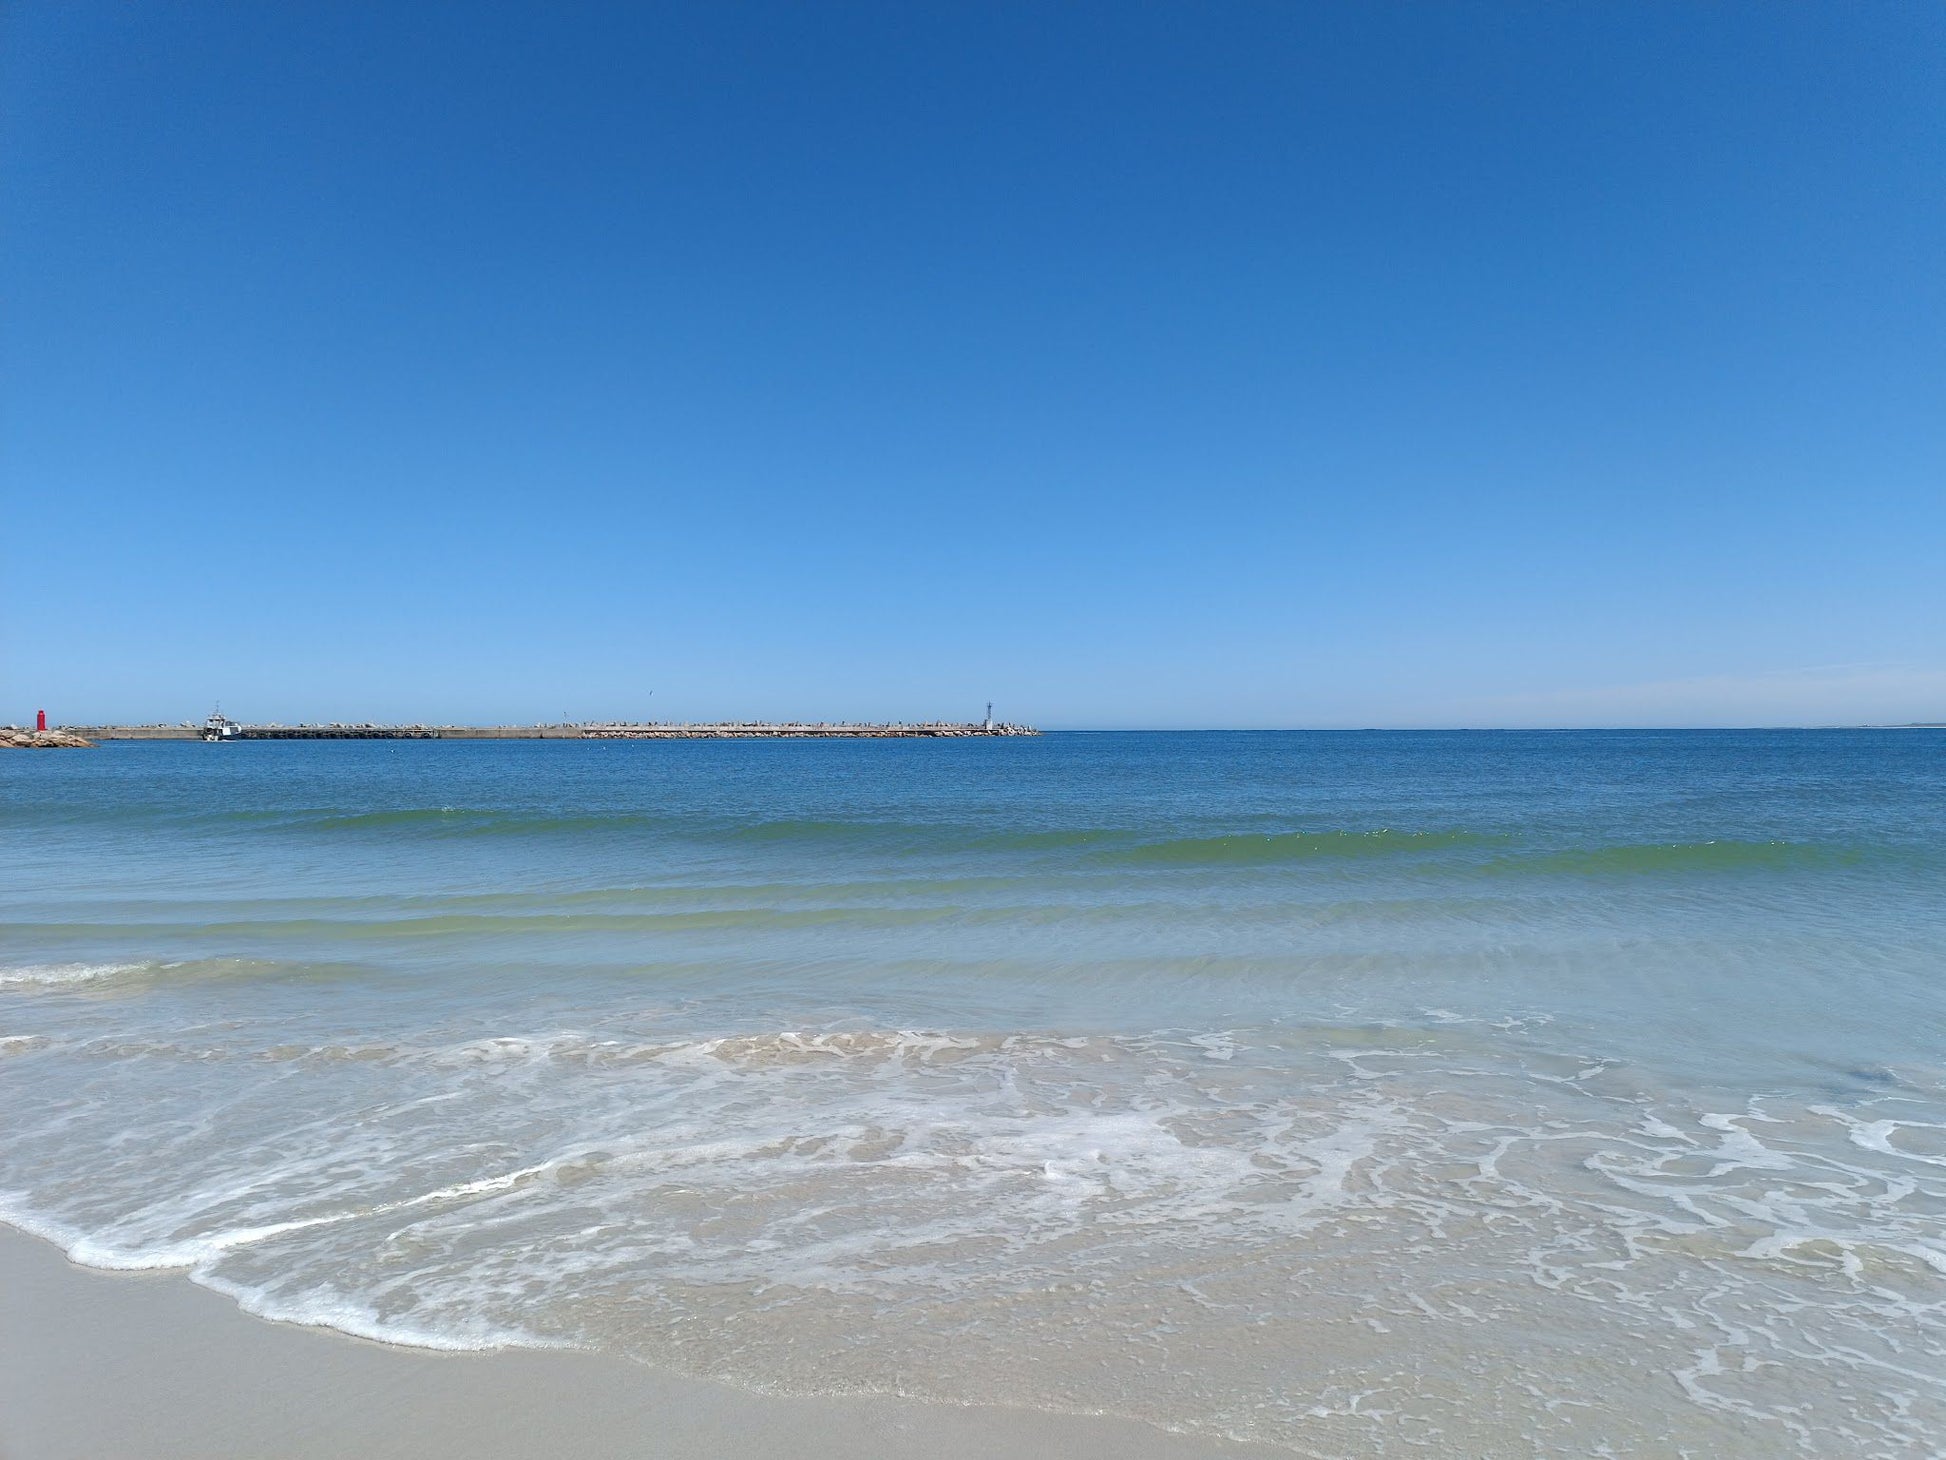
column 12, row 738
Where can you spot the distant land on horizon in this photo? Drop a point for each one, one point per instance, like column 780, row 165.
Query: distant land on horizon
column 859, row 728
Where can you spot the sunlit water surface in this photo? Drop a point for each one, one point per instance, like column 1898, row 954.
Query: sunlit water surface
column 1370, row 1094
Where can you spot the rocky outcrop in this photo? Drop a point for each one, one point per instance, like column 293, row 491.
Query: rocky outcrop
column 12, row 739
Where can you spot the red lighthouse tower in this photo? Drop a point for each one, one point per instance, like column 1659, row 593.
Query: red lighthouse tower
column 40, row 719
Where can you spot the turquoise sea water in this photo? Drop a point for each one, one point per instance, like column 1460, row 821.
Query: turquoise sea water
column 1363, row 1093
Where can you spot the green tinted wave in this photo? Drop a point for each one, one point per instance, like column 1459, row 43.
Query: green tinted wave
column 1709, row 856
column 1270, row 848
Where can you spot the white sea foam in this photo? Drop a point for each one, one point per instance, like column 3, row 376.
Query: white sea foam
column 321, row 1308
column 66, row 975
column 1250, row 1231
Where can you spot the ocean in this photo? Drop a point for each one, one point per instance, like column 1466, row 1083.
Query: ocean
column 1363, row 1093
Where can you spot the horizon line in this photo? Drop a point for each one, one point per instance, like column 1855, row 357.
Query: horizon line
column 1070, row 729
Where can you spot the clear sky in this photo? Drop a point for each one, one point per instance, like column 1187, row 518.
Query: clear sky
column 1125, row 364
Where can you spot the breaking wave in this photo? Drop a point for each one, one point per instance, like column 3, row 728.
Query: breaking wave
column 68, row 975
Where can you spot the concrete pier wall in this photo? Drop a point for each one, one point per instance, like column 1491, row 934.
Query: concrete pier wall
column 135, row 732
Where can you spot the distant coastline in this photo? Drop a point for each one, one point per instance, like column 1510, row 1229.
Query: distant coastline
column 726, row 730
column 79, row 735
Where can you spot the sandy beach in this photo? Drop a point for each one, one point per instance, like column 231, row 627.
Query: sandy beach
column 107, row 1364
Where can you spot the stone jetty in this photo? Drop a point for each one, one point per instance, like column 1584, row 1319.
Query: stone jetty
column 13, row 738
column 228, row 730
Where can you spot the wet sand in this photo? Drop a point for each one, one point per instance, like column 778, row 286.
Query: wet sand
column 148, row 1364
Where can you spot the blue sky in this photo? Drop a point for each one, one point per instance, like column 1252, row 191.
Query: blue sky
column 1129, row 364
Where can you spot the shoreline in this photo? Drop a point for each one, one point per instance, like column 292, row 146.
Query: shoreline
column 96, row 1363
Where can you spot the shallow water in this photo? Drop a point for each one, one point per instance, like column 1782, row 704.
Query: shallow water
column 1365, row 1093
